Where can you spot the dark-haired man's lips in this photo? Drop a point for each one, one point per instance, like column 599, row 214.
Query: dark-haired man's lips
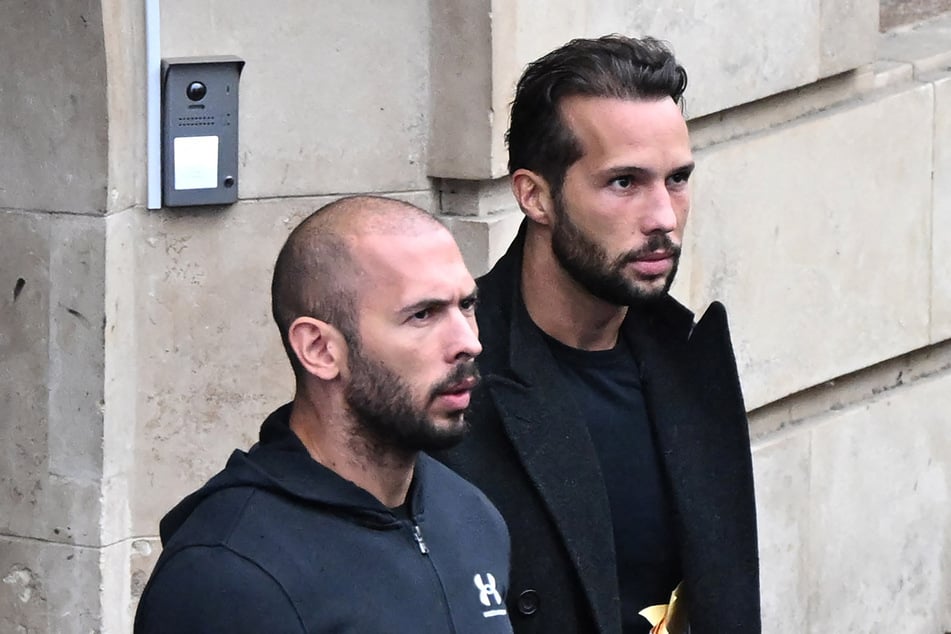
column 654, row 264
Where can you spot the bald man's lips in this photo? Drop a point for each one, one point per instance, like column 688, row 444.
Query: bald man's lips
column 457, row 396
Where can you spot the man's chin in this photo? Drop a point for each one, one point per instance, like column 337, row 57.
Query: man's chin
column 652, row 293
column 445, row 433
column 649, row 290
column 440, row 442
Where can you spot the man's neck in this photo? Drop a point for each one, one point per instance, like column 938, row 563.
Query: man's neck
column 334, row 441
column 560, row 306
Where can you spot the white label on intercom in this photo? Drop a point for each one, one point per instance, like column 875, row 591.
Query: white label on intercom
column 196, row 162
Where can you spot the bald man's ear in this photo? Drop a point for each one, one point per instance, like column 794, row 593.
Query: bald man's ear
column 320, row 347
column 533, row 194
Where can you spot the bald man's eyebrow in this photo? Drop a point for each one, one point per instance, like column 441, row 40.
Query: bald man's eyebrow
column 425, row 304
column 439, row 302
column 469, row 301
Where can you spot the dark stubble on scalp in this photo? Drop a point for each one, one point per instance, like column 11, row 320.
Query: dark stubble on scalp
column 382, row 404
column 587, row 262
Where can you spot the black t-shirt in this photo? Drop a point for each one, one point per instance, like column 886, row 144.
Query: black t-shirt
column 607, row 389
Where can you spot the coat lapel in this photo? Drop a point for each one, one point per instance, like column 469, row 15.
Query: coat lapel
column 700, row 425
column 688, row 399
column 552, row 441
column 661, row 349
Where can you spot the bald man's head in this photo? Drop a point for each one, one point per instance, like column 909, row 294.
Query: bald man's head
column 317, row 274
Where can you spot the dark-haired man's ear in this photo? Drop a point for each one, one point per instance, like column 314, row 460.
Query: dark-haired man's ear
column 319, row 347
column 533, row 194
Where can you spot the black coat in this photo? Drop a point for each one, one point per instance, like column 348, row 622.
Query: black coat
column 530, row 452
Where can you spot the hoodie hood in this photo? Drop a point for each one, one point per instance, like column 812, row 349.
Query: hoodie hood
column 280, row 464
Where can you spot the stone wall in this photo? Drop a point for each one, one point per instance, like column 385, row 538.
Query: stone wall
column 136, row 348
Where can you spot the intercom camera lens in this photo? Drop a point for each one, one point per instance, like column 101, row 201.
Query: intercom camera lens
column 196, row 91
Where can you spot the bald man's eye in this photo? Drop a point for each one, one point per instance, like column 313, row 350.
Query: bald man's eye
column 422, row 315
column 621, row 182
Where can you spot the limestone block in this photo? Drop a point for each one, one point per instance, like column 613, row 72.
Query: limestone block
column 48, row 587
column 49, row 487
column 125, row 567
column 889, row 73
column 796, row 230
column 781, row 472
column 476, row 198
column 941, row 246
column 779, row 109
column 479, row 49
column 332, row 99
column 848, row 33
column 125, row 50
column 464, row 126
column 544, row 25
column 896, row 13
column 925, row 45
column 881, row 488
column 120, row 378
column 77, row 259
column 143, row 556
column 24, row 332
column 478, row 52
column 53, row 117
column 484, row 240
column 784, row 45
column 75, row 377
column 208, row 358
column 778, row 48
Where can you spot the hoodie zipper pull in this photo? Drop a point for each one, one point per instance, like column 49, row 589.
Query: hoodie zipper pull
column 418, row 536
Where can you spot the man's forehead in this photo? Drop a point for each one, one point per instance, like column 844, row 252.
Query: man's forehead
column 626, row 122
column 387, row 243
column 429, row 256
column 586, row 111
column 369, row 215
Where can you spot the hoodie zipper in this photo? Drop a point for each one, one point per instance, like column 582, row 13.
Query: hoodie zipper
column 424, row 551
column 418, row 536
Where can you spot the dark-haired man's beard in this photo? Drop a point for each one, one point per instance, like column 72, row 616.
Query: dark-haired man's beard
column 382, row 404
column 587, row 263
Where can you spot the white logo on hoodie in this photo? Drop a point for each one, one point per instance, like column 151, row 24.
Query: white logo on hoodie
column 488, row 593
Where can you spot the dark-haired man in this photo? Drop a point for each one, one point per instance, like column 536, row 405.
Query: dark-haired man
column 610, row 430
column 334, row 521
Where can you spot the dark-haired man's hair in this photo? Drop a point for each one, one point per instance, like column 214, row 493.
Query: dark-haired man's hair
column 612, row 66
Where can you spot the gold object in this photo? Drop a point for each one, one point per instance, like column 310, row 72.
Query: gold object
column 670, row 618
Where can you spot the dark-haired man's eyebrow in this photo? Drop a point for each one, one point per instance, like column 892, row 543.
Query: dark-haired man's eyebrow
column 626, row 170
column 639, row 173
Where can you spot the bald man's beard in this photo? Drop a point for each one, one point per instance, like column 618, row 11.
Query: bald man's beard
column 383, row 407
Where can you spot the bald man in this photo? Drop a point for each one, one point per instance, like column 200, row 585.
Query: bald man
column 335, row 521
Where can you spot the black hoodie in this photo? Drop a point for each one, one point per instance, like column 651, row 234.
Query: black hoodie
column 276, row 542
